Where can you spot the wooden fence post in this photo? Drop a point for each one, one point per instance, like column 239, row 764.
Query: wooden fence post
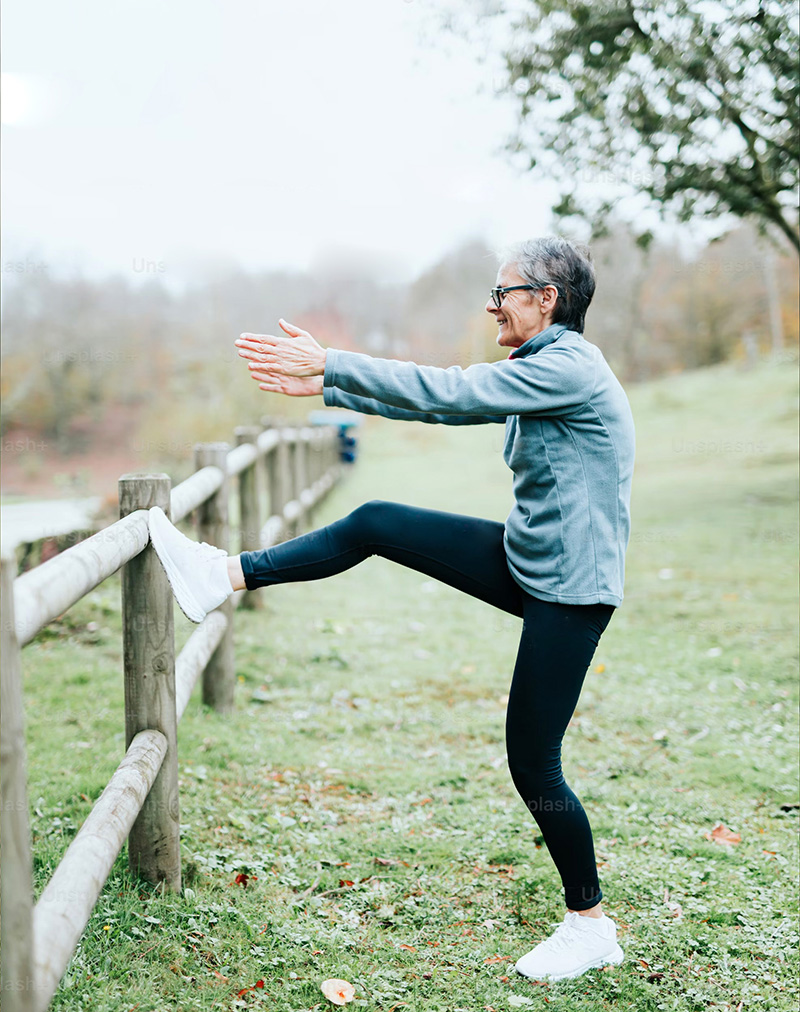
column 301, row 474
column 16, row 889
column 278, row 486
column 148, row 643
column 251, row 482
column 219, row 676
column 313, row 469
column 290, row 439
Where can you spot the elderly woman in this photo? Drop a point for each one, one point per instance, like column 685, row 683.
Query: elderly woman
column 558, row 562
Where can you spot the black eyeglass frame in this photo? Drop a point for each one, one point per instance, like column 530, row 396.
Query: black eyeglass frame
column 497, row 293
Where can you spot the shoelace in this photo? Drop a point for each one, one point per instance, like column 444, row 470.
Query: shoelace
column 563, row 937
column 210, row 551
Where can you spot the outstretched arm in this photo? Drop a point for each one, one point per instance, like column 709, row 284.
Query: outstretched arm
column 268, row 356
column 370, row 406
column 553, row 382
column 308, row 386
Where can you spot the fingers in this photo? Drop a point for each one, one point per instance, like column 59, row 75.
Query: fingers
column 270, row 382
column 256, row 340
column 254, row 345
column 291, row 329
column 262, row 373
column 269, row 357
column 260, row 369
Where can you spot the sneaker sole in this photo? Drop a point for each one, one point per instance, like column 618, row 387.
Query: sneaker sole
column 615, row 958
column 183, row 595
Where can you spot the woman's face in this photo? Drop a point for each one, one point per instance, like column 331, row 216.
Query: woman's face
column 521, row 314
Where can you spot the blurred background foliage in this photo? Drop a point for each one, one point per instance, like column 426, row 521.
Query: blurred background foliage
column 73, row 347
column 684, row 111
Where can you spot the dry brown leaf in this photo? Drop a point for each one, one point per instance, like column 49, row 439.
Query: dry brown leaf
column 338, row 991
column 721, row 834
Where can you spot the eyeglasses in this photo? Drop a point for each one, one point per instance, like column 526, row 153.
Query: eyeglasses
column 498, row 294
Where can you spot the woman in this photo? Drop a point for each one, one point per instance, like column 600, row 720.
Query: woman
column 558, row 562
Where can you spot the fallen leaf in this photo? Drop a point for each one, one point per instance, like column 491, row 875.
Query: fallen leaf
column 338, row 991
column 345, row 883
column 675, row 908
column 721, row 834
column 258, row 984
column 410, row 948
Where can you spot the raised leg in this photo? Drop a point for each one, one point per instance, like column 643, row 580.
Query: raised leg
column 464, row 552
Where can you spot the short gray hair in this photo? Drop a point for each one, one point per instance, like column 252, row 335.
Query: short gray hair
column 554, row 260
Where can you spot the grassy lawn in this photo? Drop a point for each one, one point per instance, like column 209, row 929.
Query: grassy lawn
column 354, row 816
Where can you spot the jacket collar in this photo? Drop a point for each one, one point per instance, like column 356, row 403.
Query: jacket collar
column 538, row 341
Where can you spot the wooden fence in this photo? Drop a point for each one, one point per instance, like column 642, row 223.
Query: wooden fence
column 289, row 469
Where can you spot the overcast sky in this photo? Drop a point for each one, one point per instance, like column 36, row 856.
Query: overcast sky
column 262, row 133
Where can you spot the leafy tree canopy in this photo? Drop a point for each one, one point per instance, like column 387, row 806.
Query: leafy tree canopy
column 692, row 103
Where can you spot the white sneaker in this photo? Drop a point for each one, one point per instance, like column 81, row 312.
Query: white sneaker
column 578, row 944
column 195, row 570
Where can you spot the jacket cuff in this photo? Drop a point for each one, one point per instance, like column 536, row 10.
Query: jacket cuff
column 329, row 376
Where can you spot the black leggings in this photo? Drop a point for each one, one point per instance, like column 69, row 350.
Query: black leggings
column 557, row 644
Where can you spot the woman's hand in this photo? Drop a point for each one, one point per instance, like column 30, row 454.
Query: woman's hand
column 297, row 355
column 294, row 386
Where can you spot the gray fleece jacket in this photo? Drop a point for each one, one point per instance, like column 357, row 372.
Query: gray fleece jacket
column 569, row 442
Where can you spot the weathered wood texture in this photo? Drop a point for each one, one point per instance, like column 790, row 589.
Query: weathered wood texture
column 291, row 470
column 251, row 485
column 194, row 657
column 16, row 889
column 186, row 497
column 219, row 676
column 148, row 642
column 66, row 904
column 49, row 590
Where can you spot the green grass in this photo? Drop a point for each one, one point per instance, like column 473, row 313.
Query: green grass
column 366, row 747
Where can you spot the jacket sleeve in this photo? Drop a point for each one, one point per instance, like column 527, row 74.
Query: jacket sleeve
column 369, row 406
column 554, row 381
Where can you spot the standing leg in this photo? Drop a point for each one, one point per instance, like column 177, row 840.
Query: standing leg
column 557, row 644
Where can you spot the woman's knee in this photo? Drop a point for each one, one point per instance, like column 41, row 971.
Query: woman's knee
column 371, row 520
column 534, row 771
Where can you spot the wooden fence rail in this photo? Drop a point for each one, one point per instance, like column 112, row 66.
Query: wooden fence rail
column 280, row 474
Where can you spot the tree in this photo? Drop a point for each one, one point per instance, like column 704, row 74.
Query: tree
column 692, row 103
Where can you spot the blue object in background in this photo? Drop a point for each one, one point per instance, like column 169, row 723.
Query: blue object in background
column 344, row 421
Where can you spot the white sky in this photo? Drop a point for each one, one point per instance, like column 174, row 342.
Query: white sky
column 262, row 133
